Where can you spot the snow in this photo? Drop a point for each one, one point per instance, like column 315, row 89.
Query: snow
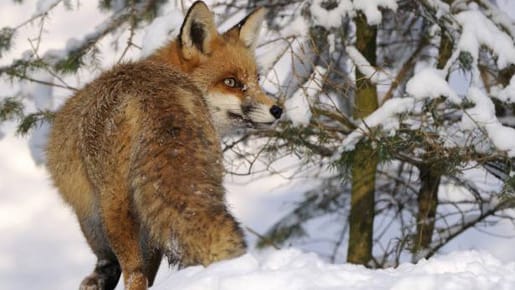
column 430, row 83
column 477, row 30
column 39, row 93
column 508, row 93
column 371, row 9
column 482, row 115
column 297, row 107
column 508, row 7
column 42, row 6
column 385, row 116
column 42, row 96
column 276, row 52
column 440, row 7
column 370, row 72
column 37, row 143
column 292, row 269
column 160, row 31
column 502, row 14
column 332, row 17
column 503, row 137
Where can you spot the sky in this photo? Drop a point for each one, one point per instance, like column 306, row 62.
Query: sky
column 41, row 243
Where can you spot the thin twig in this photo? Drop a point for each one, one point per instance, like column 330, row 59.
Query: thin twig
column 263, row 238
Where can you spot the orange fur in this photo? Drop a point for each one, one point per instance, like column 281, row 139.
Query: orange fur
column 136, row 154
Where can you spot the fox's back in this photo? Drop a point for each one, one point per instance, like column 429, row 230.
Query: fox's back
column 128, row 115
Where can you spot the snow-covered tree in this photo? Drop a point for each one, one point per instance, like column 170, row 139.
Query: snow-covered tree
column 389, row 104
column 425, row 89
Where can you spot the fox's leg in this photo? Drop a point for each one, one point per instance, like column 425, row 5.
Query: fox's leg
column 152, row 257
column 107, row 270
column 104, row 277
column 152, row 263
column 122, row 230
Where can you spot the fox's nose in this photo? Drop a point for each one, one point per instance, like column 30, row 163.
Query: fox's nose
column 276, row 111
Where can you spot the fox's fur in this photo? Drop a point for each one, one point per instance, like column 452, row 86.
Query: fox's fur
column 136, row 153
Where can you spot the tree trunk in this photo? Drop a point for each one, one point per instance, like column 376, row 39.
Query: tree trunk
column 446, row 45
column 361, row 219
column 429, row 178
column 427, row 203
column 445, row 52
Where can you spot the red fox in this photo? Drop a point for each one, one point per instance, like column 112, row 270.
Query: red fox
column 136, row 153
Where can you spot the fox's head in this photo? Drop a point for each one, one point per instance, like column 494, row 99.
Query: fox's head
column 224, row 67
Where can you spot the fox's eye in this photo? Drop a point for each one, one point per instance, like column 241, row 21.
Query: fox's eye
column 230, row 82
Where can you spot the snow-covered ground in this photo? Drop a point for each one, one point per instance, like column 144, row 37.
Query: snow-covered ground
column 294, row 270
column 41, row 246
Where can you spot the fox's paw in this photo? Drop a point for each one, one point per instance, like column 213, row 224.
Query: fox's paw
column 92, row 282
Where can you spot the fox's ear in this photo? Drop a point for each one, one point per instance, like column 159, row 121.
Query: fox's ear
column 248, row 29
column 198, row 31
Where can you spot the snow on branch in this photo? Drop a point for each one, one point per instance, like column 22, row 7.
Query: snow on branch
column 430, row 83
column 426, row 84
column 482, row 115
column 375, row 75
column 385, row 116
column 297, row 107
column 498, row 17
column 329, row 14
column 478, row 30
column 371, row 9
column 507, row 94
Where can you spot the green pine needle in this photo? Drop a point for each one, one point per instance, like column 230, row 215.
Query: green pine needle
column 6, row 35
column 32, row 120
column 10, row 108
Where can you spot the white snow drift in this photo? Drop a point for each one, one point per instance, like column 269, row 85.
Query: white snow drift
column 292, row 269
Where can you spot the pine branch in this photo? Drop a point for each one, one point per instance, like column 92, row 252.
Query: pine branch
column 6, row 35
column 10, row 108
column 34, row 119
column 71, row 60
column 41, row 14
column 132, row 31
column 25, row 77
column 341, row 118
